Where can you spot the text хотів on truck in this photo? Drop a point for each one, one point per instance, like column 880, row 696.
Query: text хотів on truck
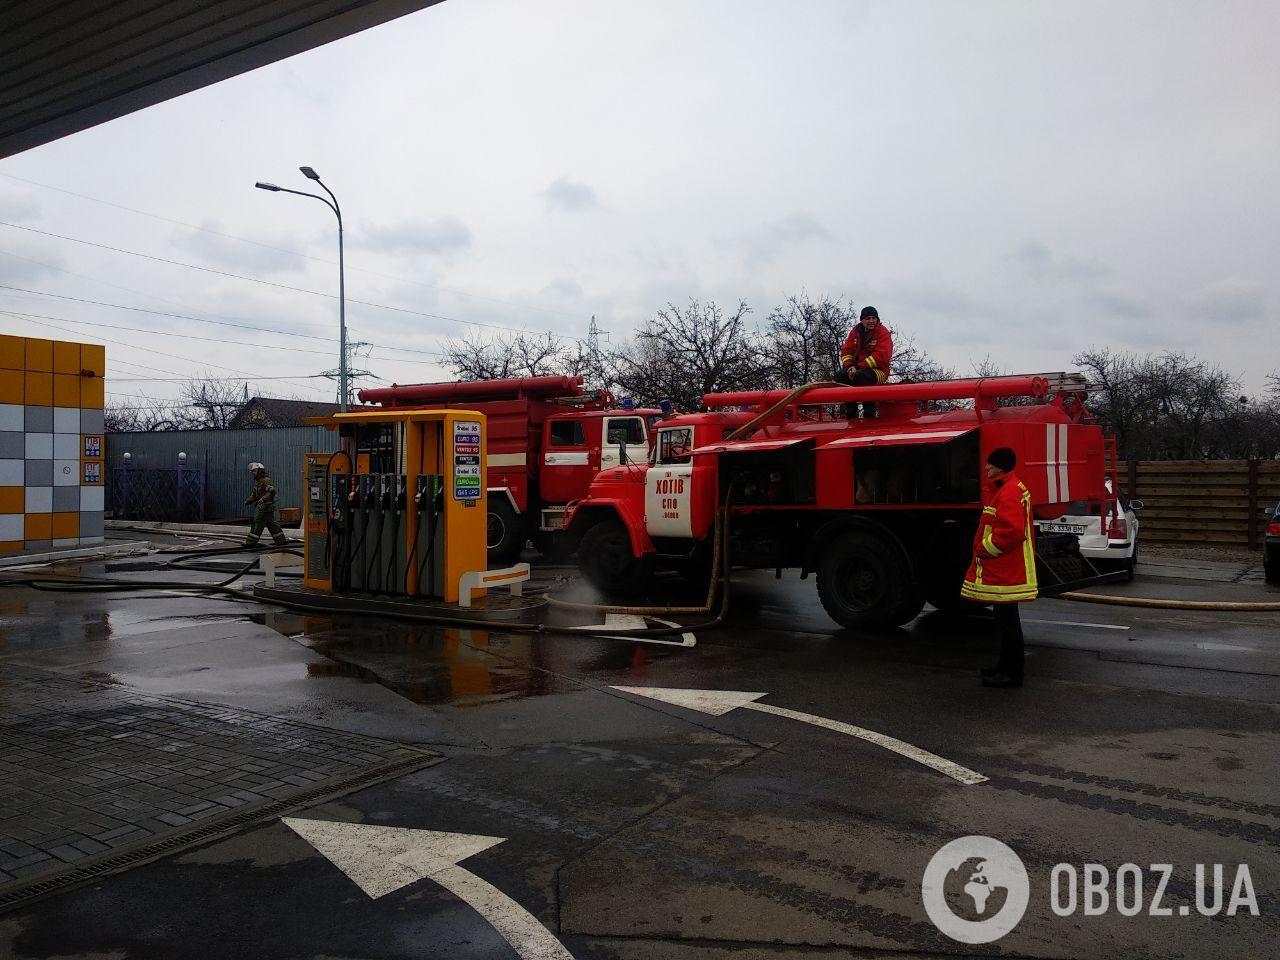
column 882, row 511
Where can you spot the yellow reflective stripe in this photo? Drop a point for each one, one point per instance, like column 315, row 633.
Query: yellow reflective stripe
column 1003, row 594
column 881, row 376
column 990, row 510
column 989, row 544
column 871, row 361
column 1028, row 544
column 845, row 356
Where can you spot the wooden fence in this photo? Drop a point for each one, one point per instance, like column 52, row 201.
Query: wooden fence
column 1202, row 501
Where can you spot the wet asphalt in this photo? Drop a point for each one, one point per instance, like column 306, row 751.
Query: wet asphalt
column 634, row 828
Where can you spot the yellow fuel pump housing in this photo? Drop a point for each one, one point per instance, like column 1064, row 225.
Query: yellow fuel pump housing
column 400, row 508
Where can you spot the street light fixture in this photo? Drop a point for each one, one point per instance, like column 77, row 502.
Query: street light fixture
column 332, row 204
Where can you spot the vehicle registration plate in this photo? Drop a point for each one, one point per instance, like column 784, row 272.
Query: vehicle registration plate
column 1077, row 528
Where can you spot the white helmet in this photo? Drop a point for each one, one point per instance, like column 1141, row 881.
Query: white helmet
column 256, row 466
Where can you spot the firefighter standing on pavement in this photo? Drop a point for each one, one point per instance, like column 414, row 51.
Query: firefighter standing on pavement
column 865, row 357
column 1003, row 571
column 263, row 499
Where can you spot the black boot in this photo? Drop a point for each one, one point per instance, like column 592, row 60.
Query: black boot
column 1002, row 679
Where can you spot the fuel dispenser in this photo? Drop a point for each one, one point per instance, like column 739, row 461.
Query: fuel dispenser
column 401, row 506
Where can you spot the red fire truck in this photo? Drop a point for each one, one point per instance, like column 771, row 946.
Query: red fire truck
column 883, row 510
column 546, row 440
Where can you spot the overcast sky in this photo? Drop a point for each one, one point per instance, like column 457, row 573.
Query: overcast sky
column 1013, row 179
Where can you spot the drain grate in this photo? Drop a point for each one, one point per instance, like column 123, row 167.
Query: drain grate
column 119, row 861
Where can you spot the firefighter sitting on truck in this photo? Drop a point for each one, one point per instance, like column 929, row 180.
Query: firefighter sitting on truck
column 864, row 358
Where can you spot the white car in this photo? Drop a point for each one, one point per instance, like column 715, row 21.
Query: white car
column 1109, row 537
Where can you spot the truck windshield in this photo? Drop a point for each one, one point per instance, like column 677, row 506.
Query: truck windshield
column 630, row 430
column 674, row 445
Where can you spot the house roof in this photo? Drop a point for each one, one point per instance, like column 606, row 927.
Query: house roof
column 274, row 412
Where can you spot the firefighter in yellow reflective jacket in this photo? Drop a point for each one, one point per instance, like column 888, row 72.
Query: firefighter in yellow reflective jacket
column 263, row 499
column 1003, row 571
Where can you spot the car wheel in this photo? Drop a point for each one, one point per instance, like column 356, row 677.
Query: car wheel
column 1131, row 565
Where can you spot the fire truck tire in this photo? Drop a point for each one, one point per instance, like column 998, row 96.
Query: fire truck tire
column 861, row 584
column 504, row 533
column 606, row 560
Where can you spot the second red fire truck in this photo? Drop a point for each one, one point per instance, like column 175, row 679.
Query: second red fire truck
column 882, row 510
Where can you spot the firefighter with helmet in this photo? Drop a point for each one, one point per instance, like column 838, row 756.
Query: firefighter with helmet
column 1003, row 571
column 263, row 499
column 865, row 357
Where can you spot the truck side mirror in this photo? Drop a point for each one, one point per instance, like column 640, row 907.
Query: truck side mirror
column 1135, row 505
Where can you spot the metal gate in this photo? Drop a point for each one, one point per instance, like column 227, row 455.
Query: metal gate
column 157, row 494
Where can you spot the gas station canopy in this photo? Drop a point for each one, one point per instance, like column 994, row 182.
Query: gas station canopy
column 66, row 65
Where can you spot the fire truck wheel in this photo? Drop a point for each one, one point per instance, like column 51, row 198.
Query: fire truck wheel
column 606, row 560
column 862, row 584
column 504, row 533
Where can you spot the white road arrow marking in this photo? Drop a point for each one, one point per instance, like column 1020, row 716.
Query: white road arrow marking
column 627, row 621
column 381, row 860
column 719, row 702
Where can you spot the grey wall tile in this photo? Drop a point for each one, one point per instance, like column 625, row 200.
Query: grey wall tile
column 12, row 445
column 39, row 544
column 66, row 499
column 91, row 421
column 39, row 419
column 91, row 523
column 39, row 473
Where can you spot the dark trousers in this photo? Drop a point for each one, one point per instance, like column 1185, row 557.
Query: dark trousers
column 1009, row 628
column 857, row 378
column 265, row 516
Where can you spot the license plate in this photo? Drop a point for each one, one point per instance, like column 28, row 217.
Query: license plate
column 1077, row 528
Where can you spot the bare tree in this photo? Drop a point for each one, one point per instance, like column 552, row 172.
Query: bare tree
column 145, row 417
column 211, row 403
column 485, row 357
column 684, row 352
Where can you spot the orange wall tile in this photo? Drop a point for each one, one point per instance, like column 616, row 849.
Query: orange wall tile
column 66, row 390
column 66, row 357
column 12, row 386
column 39, row 526
column 13, row 499
column 13, row 352
column 39, row 355
column 39, row 389
column 93, row 357
column 11, row 546
column 66, row 525
column 92, row 393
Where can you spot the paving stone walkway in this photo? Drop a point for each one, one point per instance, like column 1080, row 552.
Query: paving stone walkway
column 87, row 768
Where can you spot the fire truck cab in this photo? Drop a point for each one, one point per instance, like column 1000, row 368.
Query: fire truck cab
column 882, row 510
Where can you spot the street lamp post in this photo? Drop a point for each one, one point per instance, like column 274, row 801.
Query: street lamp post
column 332, row 204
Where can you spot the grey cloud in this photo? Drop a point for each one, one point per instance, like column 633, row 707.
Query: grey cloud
column 17, row 207
column 1121, row 305
column 1042, row 264
column 444, row 235
column 18, row 269
column 764, row 245
column 1233, row 300
column 566, row 194
column 269, row 255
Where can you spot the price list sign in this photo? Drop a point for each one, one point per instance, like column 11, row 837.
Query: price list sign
column 466, row 460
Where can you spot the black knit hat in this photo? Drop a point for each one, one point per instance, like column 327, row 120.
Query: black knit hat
column 868, row 312
column 1003, row 459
